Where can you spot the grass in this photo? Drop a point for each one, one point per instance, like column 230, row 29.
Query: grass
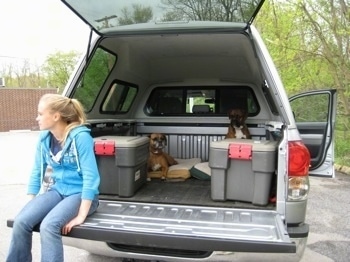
column 342, row 148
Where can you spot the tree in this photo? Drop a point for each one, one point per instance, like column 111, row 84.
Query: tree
column 329, row 22
column 311, row 44
column 282, row 27
column 209, row 10
column 309, row 41
column 139, row 14
column 58, row 68
column 21, row 73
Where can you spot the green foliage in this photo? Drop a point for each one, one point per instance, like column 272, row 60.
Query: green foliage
column 94, row 77
column 58, row 68
column 309, row 42
column 301, row 69
column 342, row 147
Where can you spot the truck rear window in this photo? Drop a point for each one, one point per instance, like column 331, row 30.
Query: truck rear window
column 217, row 100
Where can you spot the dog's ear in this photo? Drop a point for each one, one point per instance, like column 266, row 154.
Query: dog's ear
column 229, row 112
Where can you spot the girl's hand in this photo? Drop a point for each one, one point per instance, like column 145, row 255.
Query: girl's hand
column 78, row 220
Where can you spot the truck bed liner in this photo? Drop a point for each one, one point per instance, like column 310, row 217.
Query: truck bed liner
column 190, row 192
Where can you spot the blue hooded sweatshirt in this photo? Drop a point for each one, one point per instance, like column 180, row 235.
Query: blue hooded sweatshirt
column 74, row 172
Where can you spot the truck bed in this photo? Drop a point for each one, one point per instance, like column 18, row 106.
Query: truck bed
column 189, row 192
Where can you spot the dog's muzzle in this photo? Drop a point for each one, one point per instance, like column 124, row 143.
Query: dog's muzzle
column 159, row 144
column 236, row 121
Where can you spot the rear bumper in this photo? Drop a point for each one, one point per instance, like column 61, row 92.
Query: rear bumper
column 153, row 240
column 251, row 251
column 102, row 248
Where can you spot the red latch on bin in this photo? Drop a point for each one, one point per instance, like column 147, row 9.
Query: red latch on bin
column 240, row 151
column 105, row 147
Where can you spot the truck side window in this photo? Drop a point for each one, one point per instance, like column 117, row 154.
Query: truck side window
column 94, row 77
column 119, row 98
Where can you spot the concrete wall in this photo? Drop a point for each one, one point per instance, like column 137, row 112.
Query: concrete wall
column 19, row 107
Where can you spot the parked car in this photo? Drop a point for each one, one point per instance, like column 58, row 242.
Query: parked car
column 177, row 68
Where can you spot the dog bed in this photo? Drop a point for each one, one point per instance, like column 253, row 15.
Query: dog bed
column 182, row 169
column 179, row 172
column 201, row 171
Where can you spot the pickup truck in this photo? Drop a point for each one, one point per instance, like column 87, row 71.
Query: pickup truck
column 176, row 68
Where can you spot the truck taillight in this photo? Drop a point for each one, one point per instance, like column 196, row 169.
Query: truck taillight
column 299, row 159
column 298, row 171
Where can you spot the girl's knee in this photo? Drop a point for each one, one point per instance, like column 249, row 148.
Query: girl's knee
column 21, row 224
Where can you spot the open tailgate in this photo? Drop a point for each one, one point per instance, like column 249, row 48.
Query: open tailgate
column 186, row 227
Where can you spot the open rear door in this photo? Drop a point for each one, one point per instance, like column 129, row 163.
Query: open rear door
column 315, row 114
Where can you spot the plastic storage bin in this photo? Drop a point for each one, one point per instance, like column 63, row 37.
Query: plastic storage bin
column 242, row 169
column 122, row 163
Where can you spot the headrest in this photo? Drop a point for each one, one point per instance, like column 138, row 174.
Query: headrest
column 200, row 109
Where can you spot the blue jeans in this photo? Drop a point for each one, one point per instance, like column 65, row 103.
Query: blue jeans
column 53, row 211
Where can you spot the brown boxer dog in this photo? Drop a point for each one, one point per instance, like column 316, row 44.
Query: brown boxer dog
column 159, row 160
column 238, row 127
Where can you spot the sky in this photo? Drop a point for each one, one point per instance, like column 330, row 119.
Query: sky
column 33, row 29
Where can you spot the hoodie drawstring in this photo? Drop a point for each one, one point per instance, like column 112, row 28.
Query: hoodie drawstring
column 76, row 154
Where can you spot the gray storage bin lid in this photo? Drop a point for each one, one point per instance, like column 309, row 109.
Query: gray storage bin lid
column 125, row 141
column 257, row 145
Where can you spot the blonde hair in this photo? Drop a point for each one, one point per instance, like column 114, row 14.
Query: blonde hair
column 70, row 110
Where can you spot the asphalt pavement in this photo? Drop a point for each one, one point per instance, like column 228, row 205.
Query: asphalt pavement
column 328, row 207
